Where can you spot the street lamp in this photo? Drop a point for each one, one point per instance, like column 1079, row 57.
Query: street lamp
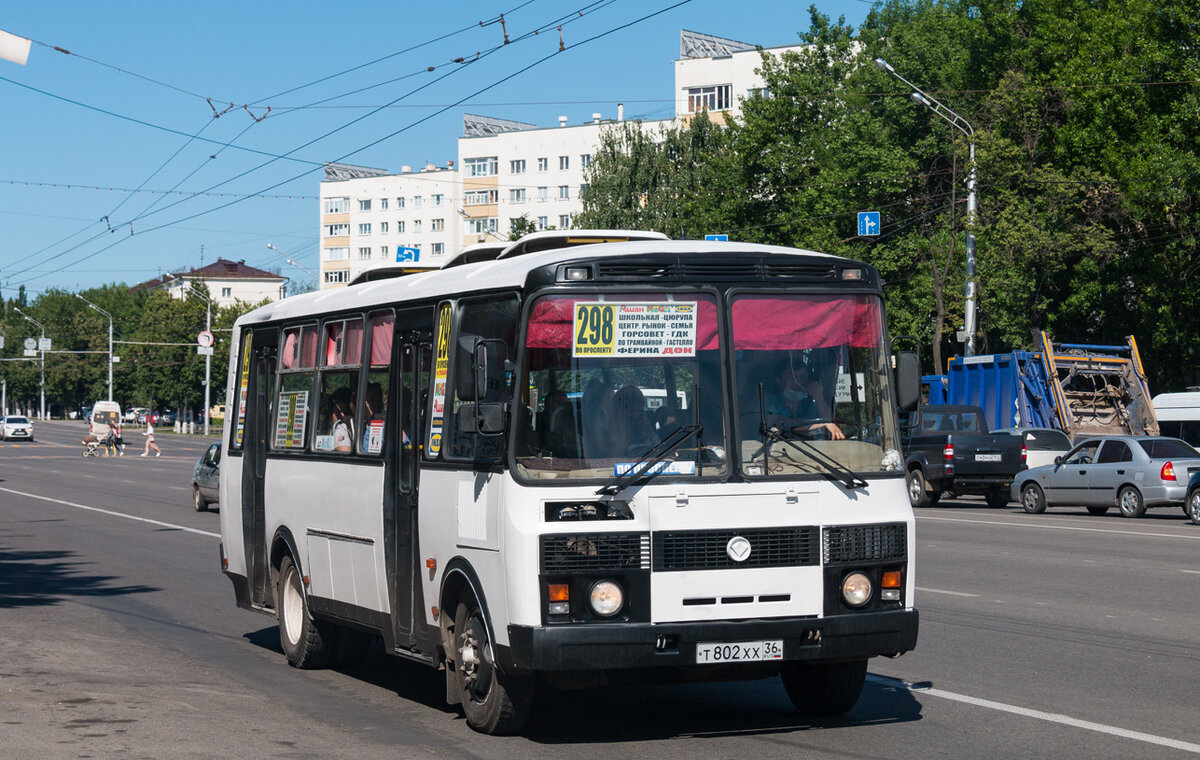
column 110, row 341
column 41, row 343
column 964, row 126
column 294, row 263
column 191, row 287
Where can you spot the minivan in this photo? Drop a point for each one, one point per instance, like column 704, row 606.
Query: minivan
column 104, row 412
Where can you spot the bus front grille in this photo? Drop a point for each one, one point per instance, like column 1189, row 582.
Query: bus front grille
column 710, row 549
column 865, row 543
column 575, row 552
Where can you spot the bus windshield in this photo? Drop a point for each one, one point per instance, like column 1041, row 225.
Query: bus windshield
column 811, row 383
column 608, row 376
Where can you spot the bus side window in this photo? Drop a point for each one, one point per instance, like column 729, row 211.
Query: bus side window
column 493, row 319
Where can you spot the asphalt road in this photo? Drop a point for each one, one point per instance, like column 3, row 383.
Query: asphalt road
column 1054, row 635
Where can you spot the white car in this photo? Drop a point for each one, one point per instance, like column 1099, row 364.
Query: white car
column 1042, row 445
column 16, row 428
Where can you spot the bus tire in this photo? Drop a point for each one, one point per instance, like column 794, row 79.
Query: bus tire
column 824, row 689
column 301, row 637
column 494, row 702
column 1129, row 501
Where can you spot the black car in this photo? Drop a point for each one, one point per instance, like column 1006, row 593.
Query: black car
column 206, row 478
column 1191, row 503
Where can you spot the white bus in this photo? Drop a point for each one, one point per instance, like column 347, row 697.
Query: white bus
column 464, row 463
column 1179, row 415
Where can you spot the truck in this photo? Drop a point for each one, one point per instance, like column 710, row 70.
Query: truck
column 1079, row 388
column 949, row 449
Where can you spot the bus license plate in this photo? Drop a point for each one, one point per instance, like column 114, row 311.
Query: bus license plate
column 741, row 651
column 987, row 457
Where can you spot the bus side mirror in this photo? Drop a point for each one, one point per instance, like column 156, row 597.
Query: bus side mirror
column 479, row 367
column 908, row 380
column 482, row 418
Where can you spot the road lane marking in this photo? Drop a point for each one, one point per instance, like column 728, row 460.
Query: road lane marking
column 1045, row 526
column 1065, row 720
column 112, row 513
column 1193, row 572
column 941, row 591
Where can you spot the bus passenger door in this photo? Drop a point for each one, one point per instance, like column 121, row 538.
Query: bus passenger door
column 261, row 395
column 415, row 357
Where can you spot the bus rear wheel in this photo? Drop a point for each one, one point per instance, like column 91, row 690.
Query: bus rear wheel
column 301, row 637
column 494, row 702
column 824, row 689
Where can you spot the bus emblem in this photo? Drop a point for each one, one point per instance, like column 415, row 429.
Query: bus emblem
column 738, row 549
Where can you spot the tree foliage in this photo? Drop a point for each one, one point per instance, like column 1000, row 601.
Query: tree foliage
column 1085, row 117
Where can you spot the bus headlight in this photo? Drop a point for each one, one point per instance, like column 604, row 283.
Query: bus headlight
column 856, row 589
column 607, row 598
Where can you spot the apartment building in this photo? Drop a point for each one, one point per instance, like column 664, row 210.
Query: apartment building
column 505, row 170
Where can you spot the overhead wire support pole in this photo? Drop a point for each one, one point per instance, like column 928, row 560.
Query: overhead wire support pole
column 110, row 342
column 962, row 125
column 42, row 350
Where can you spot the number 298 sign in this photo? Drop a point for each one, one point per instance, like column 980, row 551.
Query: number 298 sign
column 607, row 328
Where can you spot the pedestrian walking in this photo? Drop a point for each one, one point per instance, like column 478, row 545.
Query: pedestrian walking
column 150, row 444
column 114, row 440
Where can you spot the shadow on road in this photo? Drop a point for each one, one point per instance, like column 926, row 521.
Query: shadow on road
column 35, row 578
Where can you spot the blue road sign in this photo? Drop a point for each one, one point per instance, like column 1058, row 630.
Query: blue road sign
column 721, row 238
column 408, row 254
column 868, row 222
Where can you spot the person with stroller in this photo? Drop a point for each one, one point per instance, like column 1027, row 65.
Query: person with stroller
column 113, row 440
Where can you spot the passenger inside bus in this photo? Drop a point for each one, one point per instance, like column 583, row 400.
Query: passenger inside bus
column 633, row 431
column 342, row 430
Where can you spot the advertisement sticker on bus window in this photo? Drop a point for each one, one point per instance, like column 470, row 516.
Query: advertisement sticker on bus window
column 607, row 328
column 290, row 419
column 667, row 467
column 440, row 369
column 375, row 437
column 243, row 389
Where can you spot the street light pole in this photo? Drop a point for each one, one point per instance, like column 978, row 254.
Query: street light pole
column 110, row 342
column 962, row 125
column 295, row 263
column 42, row 383
column 191, row 287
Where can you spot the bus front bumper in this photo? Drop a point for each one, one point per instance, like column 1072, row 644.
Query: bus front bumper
column 647, row 645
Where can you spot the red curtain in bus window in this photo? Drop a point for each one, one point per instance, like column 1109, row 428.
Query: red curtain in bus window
column 553, row 319
column 352, row 354
column 333, row 343
column 772, row 322
column 308, row 347
column 381, row 339
column 290, row 356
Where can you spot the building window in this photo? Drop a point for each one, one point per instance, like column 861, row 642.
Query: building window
column 481, row 167
column 341, row 253
column 364, row 229
column 337, row 230
column 364, row 205
column 542, row 222
column 585, row 160
column 340, row 275
column 416, row 201
column 564, row 222
column 437, row 225
column 337, row 205
column 400, row 226
column 543, row 193
column 383, row 251
column 383, row 228
column 583, row 189
column 564, row 163
column 482, row 225
column 714, row 98
column 517, row 166
column 226, row 292
column 516, row 195
column 383, row 204
column 417, row 226
column 437, row 199
column 399, row 203
column 543, row 164
column 564, row 192
column 439, row 249
column 364, row 252
column 480, row 197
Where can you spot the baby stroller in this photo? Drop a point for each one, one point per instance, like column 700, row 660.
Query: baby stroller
column 92, row 446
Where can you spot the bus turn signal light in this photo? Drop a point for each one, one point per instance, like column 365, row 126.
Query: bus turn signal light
column 559, row 592
column 891, row 579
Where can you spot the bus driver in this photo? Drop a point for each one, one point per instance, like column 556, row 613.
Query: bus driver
column 797, row 403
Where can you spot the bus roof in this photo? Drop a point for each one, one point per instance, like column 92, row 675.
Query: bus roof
column 491, row 275
column 1172, row 407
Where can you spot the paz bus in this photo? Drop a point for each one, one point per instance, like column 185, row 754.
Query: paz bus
column 465, row 464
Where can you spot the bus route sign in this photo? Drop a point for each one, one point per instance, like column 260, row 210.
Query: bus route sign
column 607, row 328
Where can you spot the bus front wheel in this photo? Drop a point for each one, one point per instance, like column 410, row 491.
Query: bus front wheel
column 824, row 689
column 301, row 636
column 494, row 702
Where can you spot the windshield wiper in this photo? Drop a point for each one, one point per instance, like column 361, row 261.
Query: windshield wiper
column 651, row 458
column 847, row 476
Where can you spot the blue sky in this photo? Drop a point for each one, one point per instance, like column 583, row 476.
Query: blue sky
column 67, row 165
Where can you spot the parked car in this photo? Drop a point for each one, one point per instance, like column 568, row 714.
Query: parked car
column 16, row 428
column 206, row 478
column 949, row 449
column 1042, row 445
column 135, row 413
column 1129, row 472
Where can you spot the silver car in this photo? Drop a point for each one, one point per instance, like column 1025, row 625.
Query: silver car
column 1130, row 472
